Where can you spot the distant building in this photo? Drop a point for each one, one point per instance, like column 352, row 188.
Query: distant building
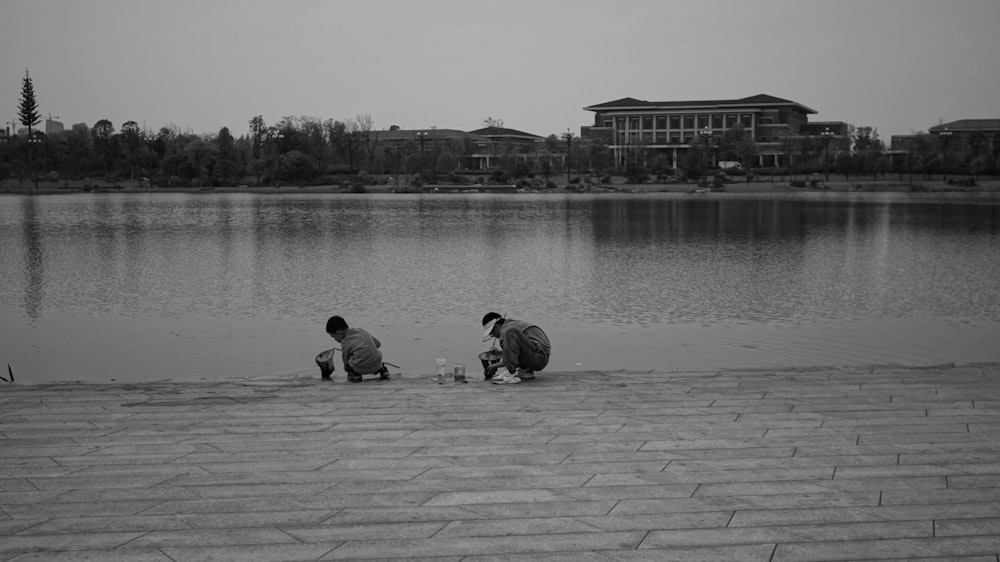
column 673, row 127
column 972, row 132
column 968, row 127
column 52, row 127
column 480, row 149
column 979, row 137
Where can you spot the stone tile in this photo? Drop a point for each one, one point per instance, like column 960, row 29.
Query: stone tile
column 78, row 509
column 375, row 531
column 244, row 553
column 13, row 498
column 965, row 495
column 211, row 537
column 561, row 543
column 804, row 516
column 103, row 495
column 18, row 544
column 783, row 462
column 107, row 524
column 743, row 553
column 495, row 496
column 516, row 526
column 670, row 476
column 533, row 509
column 130, row 555
column 285, row 503
column 973, row 481
column 887, row 549
column 644, row 522
column 965, row 527
column 231, row 520
column 787, row 533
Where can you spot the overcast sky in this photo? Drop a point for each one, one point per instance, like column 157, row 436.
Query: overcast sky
column 898, row 65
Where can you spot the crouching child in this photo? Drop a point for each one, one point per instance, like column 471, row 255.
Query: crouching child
column 359, row 349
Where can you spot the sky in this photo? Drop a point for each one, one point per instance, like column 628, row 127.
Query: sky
column 900, row 66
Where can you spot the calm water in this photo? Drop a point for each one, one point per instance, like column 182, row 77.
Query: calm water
column 155, row 286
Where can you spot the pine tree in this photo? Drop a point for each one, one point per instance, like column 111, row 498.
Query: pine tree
column 27, row 111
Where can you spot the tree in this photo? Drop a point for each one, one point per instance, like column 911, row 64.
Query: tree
column 27, row 109
column 738, row 144
column 102, row 135
column 257, row 129
column 315, row 136
column 367, row 135
column 867, row 145
column 27, row 112
column 131, row 140
column 226, row 168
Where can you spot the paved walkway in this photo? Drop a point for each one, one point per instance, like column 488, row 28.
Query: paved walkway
column 829, row 464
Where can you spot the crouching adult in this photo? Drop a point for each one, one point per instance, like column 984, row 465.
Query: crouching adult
column 524, row 348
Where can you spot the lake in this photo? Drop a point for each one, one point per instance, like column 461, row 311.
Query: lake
column 147, row 286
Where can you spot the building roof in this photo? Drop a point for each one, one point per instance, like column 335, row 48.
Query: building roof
column 402, row 135
column 752, row 101
column 503, row 132
column 969, row 125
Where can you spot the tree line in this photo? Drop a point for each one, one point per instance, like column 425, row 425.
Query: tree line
column 308, row 150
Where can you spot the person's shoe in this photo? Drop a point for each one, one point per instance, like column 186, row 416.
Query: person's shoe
column 354, row 378
column 526, row 374
column 383, row 373
column 509, row 379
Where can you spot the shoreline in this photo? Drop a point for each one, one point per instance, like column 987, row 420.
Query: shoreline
column 300, row 379
column 990, row 185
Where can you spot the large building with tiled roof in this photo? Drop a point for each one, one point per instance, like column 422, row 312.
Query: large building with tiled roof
column 481, row 149
column 673, row 127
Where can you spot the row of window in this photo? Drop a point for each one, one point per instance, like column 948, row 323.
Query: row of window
column 684, row 122
column 673, row 137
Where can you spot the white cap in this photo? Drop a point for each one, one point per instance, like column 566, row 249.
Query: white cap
column 489, row 329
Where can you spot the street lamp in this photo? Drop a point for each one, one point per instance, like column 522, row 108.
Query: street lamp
column 706, row 136
column 275, row 137
column 827, row 135
column 945, row 139
column 569, row 150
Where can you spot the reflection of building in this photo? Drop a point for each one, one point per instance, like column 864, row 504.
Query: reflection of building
column 672, row 127
column 52, row 126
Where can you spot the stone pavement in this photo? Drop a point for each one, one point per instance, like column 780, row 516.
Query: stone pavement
column 796, row 465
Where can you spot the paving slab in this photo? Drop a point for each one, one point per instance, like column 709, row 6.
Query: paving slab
column 874, row 463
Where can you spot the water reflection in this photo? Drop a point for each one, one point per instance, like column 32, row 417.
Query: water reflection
column 611, row 275
column 34, row 259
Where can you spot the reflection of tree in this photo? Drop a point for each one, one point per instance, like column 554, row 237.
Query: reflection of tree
column 34, row 259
